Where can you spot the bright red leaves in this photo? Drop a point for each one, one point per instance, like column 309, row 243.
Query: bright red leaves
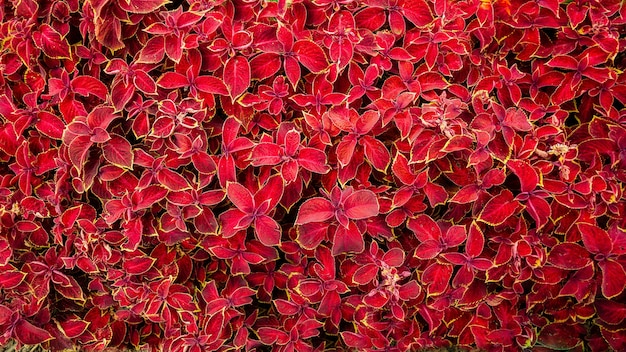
column 311, row 175
column 343, row 207
column 253, row 210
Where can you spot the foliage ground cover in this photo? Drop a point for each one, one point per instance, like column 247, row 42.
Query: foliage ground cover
column 309, row 175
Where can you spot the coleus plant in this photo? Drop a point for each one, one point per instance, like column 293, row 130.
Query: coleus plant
column 309, row 174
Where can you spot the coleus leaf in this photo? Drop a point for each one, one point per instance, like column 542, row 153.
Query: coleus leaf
column 51, row 42
column 315, row 210
column 361, row 204
column 499, row 208
column 237, row 76
column 310, row 55
column 86, row 85
column 118, row 152
column 529, row 179
column 142, row 6
column 148, row 196
column 569, row 256
column 138, row 265
column 613, row 278
column 29, row 334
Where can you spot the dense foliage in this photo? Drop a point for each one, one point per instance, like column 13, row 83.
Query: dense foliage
column 308, row 175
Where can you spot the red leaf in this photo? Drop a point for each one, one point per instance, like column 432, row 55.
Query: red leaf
column 355, row 340
column 50, row 125
column 417, row 11
column 613, row 278
column 29, row 334
column 141, row 6
column 271, row 336
column 118, row 152
column 596, row 240
column 425, row 228
column 265, row 65
column 144, row 82
column 529, row 179
column 569, row 256
column 211, row 85
column 139, row 265
column 237, row 76
column 365, row 274
column 611, row 312
column 539, row 209
column 312, row 234
column 240, row 196
column 467, row 194
column 499, row 208
column 558, row 336
column 85, row 85
column 148, row 196
column 310, row 55
column 437, row 276
column 475, row 241
column 394, row 257
column 348, row 239
column 428, row 249
column 172, row 180
column 153, row 51
column 11, row 279
column 563, row 61
column 78, row 150
column 313, row 160
column 5, row 314
column 410, row 290
column 376, row 153
column 173, row 80
column 361, row 204
column 51, row 42
column 266, row 154
column 315, row 210
column 267, row 230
